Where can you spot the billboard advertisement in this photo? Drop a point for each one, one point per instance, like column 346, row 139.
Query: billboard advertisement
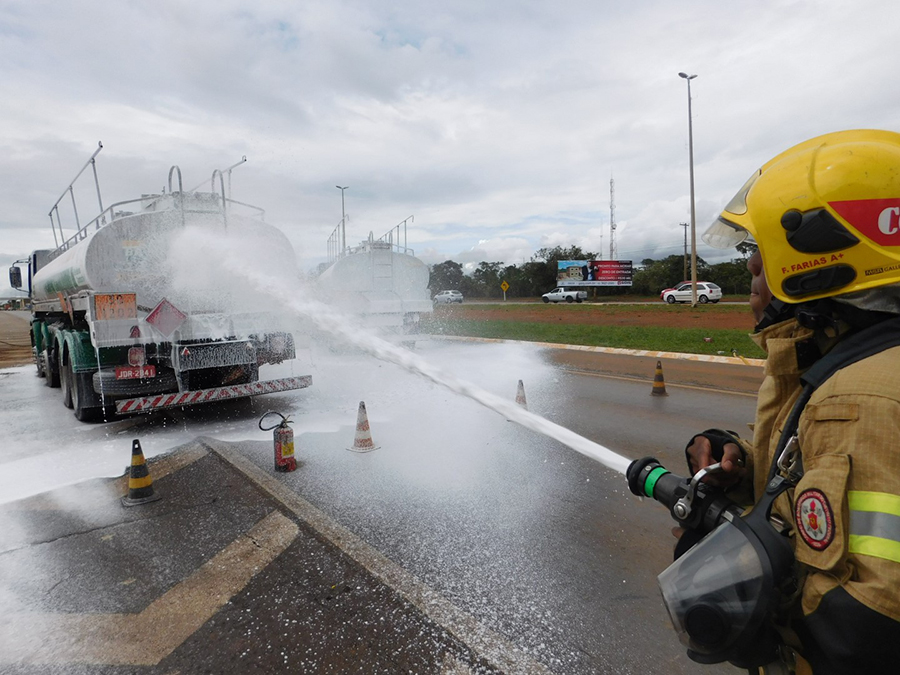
column 594, row 273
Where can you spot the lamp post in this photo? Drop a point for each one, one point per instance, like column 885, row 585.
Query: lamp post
column 684, row 273
column 693, row 212
column 343, row 220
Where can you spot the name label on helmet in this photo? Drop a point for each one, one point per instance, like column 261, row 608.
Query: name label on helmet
column 811, row 263
column 876, row 219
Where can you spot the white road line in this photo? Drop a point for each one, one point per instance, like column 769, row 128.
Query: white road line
column 30, row 638
column 644, row 380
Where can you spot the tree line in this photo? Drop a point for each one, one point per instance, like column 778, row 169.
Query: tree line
column 538, row 275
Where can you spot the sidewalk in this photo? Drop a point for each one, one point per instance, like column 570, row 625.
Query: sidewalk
column 221, row 575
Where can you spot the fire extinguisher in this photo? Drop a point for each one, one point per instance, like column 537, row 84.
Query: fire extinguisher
column 284, row 442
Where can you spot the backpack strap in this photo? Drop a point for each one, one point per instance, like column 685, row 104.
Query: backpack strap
column 853, row 348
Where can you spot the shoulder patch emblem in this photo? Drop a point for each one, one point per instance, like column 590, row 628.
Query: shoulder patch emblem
column 815, row 519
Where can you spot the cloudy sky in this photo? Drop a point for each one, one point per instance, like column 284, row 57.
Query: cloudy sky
column 497, row 124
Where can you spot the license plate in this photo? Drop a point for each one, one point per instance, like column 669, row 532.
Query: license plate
column 108, row 306
column 135, row 372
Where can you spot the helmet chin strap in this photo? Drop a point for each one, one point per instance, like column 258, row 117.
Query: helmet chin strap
column 775, row 312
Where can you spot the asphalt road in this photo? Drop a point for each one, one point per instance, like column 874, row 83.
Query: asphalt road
column 472, row 544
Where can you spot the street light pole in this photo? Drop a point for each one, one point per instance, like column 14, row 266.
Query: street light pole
column 343, row 221
column 684, row 273
column 693, row 212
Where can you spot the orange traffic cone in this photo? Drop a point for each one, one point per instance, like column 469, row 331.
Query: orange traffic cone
column 363, row 441
column 140, row 485
column 520, row 396
column 659, row 384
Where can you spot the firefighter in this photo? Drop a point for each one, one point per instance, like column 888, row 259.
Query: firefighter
column 825, row 217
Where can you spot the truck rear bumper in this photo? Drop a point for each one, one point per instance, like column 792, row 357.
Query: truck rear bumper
column 183, row 398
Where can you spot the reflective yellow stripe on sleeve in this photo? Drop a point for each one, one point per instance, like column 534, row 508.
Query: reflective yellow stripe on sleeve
column 874, row 524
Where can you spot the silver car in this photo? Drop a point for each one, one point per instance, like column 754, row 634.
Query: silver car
column 446, row 297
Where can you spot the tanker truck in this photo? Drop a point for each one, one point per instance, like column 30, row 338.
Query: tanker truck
column 380, row 281
column 118, row 322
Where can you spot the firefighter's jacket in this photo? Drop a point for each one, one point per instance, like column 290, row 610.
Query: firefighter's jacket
column 845, row 511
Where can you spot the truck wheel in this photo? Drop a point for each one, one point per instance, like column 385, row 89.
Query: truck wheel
column 670, row 299
column 569, row 298
column 37, row 358
column 85, row 401
column 51, row 373
column 66, row 378
column 546, row 299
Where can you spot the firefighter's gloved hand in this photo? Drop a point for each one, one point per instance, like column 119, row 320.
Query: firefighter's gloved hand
column 717, row 446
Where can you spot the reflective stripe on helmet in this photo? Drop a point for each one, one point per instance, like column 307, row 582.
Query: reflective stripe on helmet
column 874, row 524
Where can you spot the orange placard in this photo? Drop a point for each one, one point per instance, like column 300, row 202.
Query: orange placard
column 108, row 306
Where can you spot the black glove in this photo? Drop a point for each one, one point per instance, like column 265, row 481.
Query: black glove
column 717, row 439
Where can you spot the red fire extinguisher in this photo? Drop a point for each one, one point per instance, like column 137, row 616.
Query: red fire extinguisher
column 284, row 442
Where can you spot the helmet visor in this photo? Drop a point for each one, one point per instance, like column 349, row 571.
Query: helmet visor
column 725, row 234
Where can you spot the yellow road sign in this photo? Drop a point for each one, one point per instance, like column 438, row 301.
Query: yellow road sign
column 504, row 286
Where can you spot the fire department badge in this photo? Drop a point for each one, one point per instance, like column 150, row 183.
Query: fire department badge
column 815, row 519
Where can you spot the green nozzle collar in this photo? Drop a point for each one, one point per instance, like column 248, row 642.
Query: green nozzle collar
column 654, row 476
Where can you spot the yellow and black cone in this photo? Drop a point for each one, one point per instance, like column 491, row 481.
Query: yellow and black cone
column 659, row 384
column 140, row 485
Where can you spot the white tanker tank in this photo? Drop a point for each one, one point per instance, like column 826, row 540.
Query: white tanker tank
column 132, row 314
column 381, row 282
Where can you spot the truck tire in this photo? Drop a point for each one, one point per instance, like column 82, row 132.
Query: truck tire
column 66, row 380
column 85, row 401
column 50, row 368
column 569, row 298
column 546, row 299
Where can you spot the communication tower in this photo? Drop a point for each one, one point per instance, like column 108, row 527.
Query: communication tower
column 613, row 253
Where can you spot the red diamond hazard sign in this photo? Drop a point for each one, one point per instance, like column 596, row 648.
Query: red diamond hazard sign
column 166, row 317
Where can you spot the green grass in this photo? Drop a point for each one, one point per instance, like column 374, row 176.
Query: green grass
column 613, row 308
column 684, row 340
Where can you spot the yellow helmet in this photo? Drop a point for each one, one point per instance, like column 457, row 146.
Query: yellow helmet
column 825, row 215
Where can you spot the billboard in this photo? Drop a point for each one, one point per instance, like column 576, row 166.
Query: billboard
column 594, row 273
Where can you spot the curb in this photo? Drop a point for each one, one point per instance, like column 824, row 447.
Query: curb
column 707, row 358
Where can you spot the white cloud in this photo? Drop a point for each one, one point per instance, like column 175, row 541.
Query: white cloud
column 498, row 125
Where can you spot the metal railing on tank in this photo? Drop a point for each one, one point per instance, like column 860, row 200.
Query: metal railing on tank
column 110, row 213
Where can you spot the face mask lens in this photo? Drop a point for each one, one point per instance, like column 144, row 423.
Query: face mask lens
column 712, row 591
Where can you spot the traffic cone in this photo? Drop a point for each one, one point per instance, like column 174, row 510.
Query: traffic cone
column 520, row 396
column 363, row 441
column 140, row 485
column 659, row 384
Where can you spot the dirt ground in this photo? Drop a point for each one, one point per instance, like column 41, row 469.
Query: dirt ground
column 678, row 316
column 15, row 344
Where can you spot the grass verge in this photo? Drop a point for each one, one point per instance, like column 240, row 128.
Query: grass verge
column 653, row 338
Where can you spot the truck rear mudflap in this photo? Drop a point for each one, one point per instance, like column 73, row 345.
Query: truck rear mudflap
column 183, row 398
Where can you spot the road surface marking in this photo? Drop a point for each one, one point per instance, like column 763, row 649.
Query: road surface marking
column 644, row 380
column 145, row 639
column 484, row 642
